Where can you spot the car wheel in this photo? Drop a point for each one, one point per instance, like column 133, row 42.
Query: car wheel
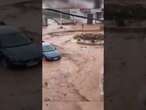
column 59, row 57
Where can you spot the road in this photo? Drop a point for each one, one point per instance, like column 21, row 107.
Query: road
column 75, row 80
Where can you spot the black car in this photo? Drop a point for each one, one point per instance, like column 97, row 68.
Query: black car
column 17, row 49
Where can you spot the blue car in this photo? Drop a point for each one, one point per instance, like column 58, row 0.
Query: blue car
column 50, row 52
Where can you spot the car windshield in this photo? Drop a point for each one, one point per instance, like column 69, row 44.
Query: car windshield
column 13, row 40
column 48, row 48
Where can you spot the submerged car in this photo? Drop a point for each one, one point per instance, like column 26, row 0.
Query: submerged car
column 50, row 52
column 17, row 49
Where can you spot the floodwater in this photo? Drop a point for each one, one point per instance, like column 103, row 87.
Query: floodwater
column 76, row 80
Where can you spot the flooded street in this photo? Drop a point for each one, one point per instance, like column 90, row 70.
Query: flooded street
column 76, row 77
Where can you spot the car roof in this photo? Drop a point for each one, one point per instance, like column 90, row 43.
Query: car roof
column 7, row 29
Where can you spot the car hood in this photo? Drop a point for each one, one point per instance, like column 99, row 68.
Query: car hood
column 23, row 53
column 54, row 53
